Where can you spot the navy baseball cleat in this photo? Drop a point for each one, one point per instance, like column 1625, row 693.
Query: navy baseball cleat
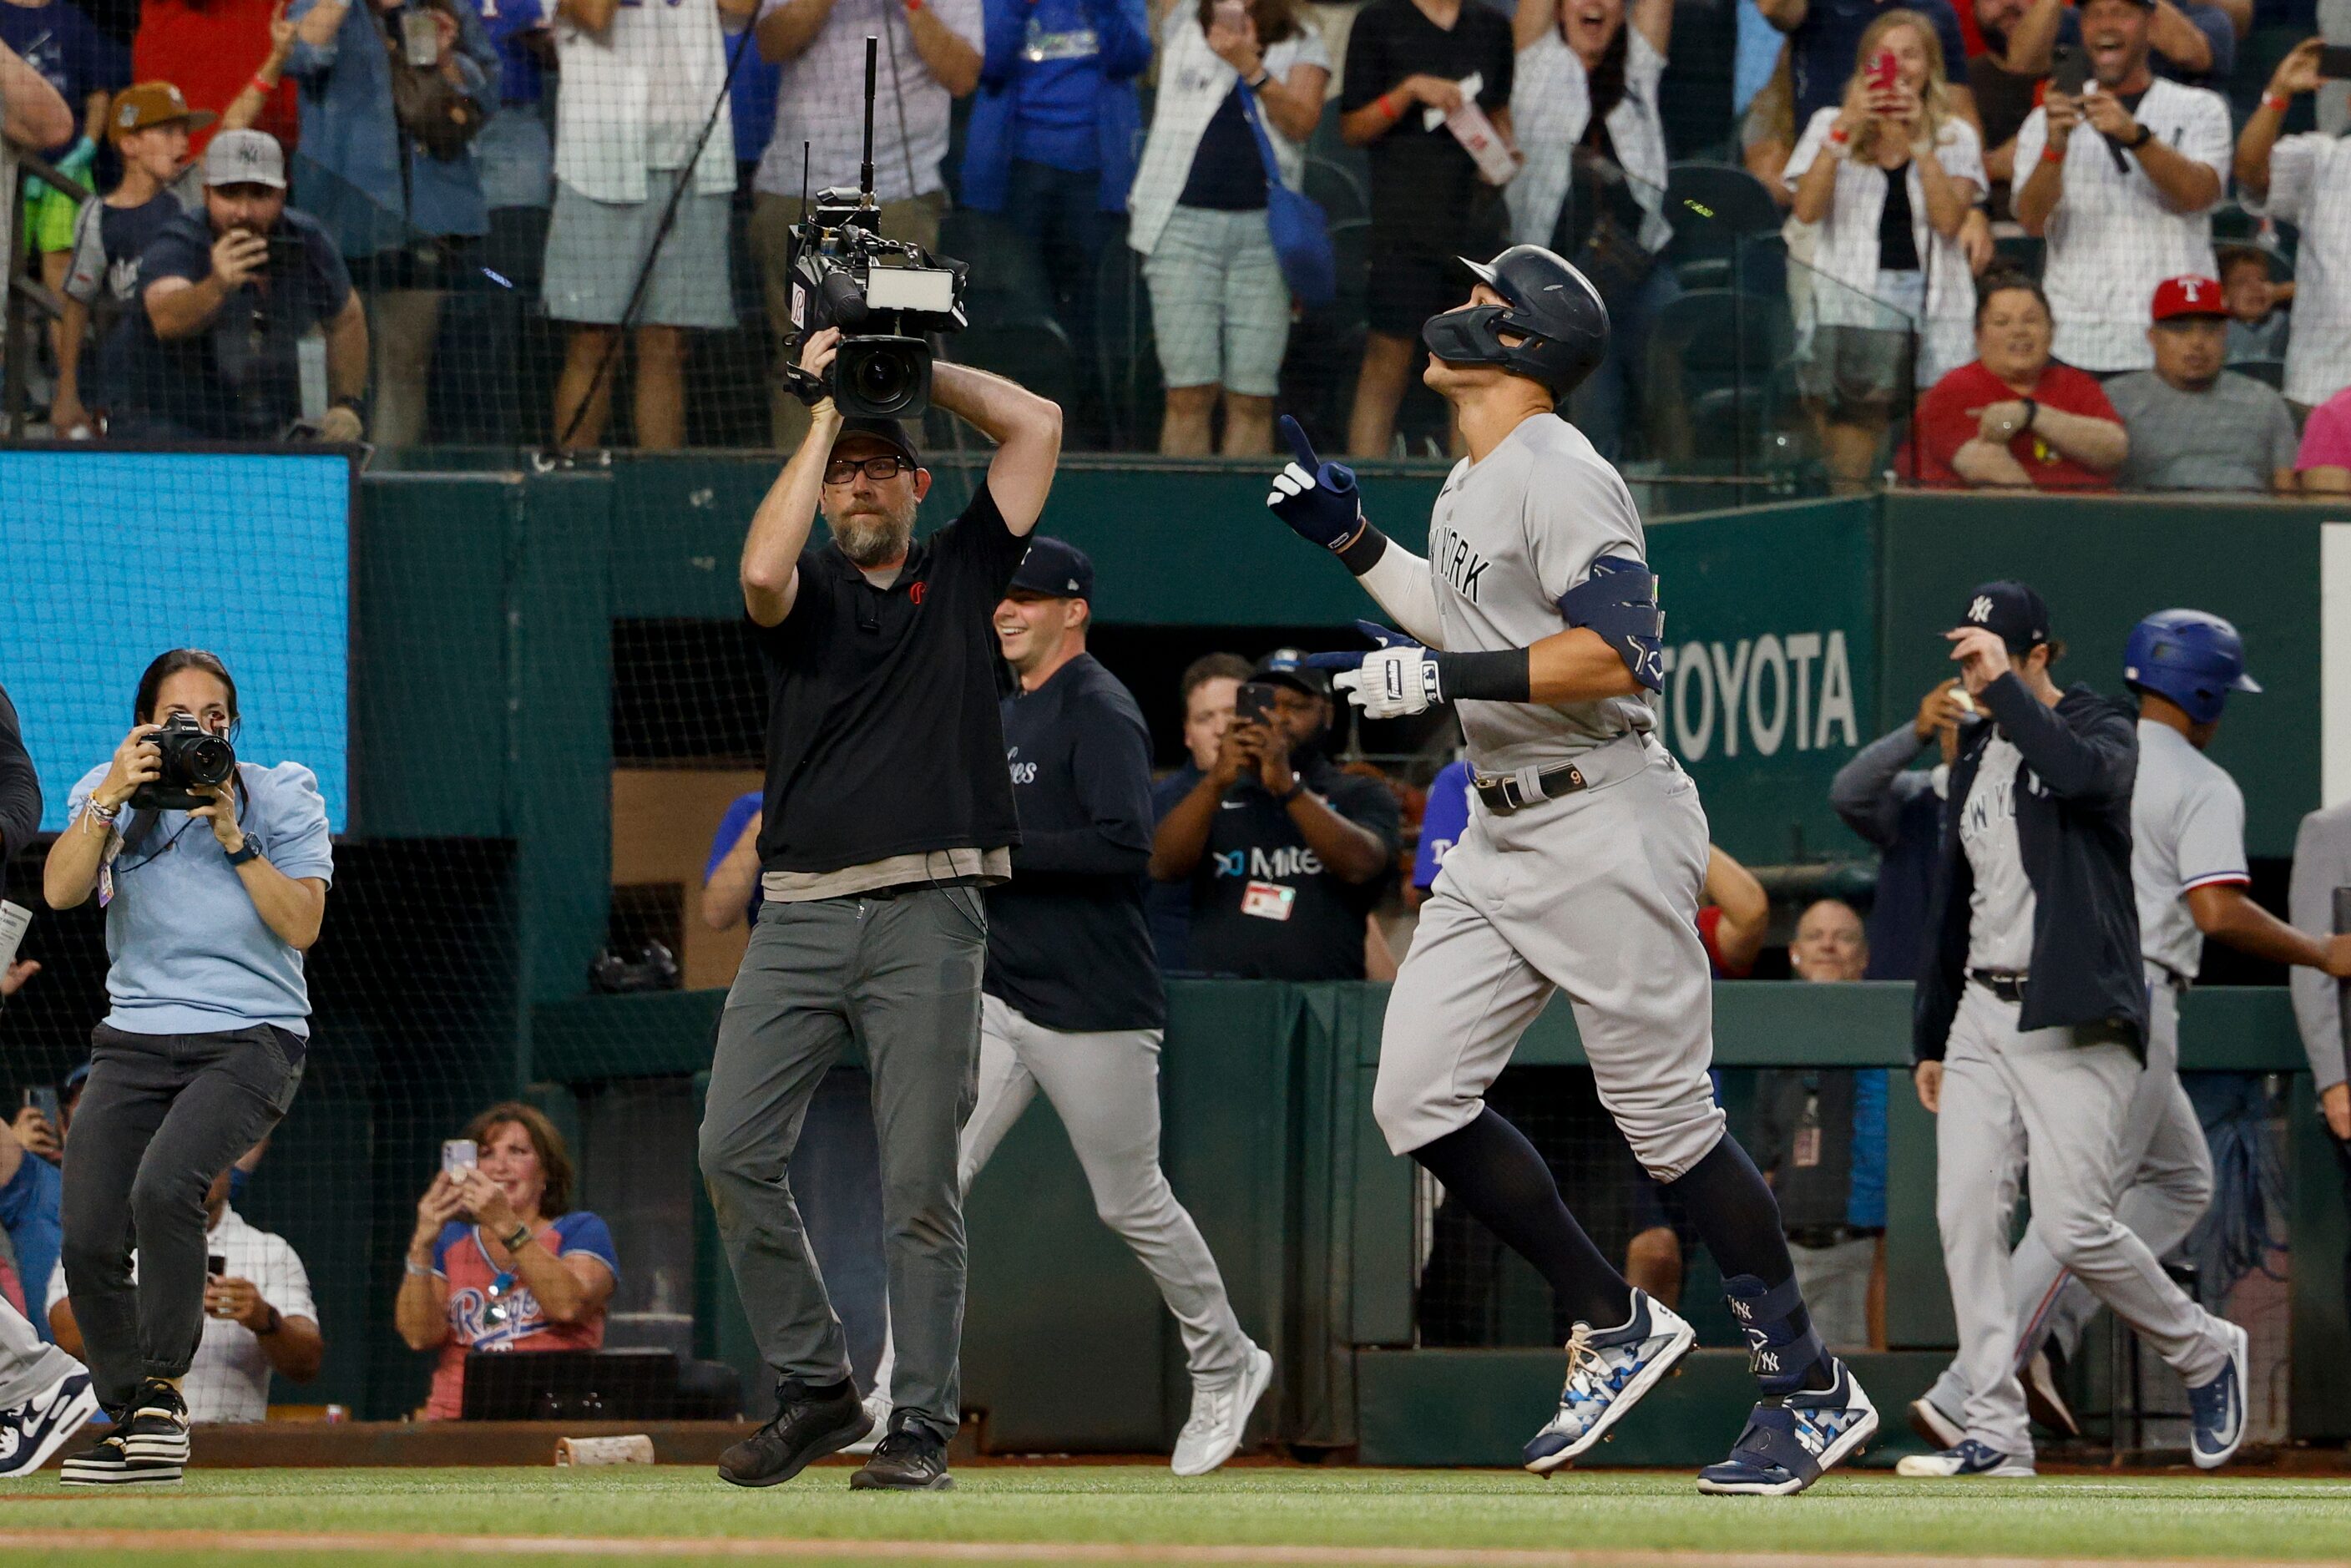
column 1791, row 1440
column 1607, row 1373
column 1969, row 1459
column 2217, row 1409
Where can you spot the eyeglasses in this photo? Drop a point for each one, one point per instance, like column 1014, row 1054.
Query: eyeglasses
column 878, row 469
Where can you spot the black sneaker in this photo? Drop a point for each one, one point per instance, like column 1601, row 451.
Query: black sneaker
column 805, row 1427
column 909, row 1459
column 107, row 1462
column 157, row 1432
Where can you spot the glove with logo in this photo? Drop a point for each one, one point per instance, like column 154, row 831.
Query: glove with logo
column 1396, row 680
column 1317, row 499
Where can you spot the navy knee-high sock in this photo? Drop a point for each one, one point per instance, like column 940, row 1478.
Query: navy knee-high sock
column 1494, row 1173
column 1736, row 1215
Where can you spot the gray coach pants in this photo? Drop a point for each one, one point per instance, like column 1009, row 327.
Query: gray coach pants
column 28, row 1363
column 898, row 971
column 1105, row 1089
column 161, row 1117
column 2007, row 1096
column 2168, row 1168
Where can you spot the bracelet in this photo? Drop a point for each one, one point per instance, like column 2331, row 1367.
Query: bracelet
column 420, row 1270
column 2052, row 156
column 105, row 814
column 1390, row 107
column 1839, row 138
column 1258, row 82
column 516, row 1239
column 913, row 6
column 258, row 86
column 2277, row 100
column 2031, row 412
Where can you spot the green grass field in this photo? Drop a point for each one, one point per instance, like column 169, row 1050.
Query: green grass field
column 1142, row 1514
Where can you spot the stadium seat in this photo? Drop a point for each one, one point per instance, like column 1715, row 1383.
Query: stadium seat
column 1710, row 340
column 1340, row 190
column 1710, row 205
column 2269, row 373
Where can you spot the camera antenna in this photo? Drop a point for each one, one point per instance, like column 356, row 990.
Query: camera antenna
column 865, row 166
column 804, row 180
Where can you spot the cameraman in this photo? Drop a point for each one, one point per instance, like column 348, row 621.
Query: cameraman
column 1286, row 854
column 215, row 355
column 208, row 913
column 888, row 810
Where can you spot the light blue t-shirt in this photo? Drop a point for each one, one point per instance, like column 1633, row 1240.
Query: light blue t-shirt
column 187, row 952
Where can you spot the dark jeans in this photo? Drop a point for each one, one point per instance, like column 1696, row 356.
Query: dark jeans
column 163, row 1115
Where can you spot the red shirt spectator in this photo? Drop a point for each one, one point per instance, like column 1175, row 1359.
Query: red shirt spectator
column 2014, row 417
column 209, row 49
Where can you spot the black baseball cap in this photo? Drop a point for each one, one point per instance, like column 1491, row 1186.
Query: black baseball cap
column 1288, row 667
column 888, row 432
column 2012, row 611
column 1054, row 569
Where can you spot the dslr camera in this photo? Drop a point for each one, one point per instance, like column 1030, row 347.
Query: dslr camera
column 887, row 297
column 192, row 758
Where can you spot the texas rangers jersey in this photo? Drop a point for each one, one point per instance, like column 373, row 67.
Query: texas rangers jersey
column 1509, row 535
column 2188, row 831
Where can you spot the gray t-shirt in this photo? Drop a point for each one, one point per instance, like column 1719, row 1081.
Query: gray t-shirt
column 2232, row 436
column 2188, row 831
column 1509, row 535
column 2000, row 908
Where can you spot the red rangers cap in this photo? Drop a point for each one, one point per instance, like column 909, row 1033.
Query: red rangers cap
column 2188, row 295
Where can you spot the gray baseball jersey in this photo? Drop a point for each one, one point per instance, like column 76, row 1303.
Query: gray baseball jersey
column 2001, row 905
column 1511, row 534
column 2188, row 831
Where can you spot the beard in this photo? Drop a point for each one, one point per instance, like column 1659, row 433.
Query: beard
column 874, row 539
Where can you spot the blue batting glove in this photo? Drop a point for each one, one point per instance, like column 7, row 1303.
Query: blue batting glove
column 1317, row 499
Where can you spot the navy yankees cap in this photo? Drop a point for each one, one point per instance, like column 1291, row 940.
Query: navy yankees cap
column 1288, row 667
column 2012, row 611
column 1055, row 569
column 890, row 432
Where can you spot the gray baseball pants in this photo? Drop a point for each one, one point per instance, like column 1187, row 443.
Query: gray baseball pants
column 28, row 1363
column 2163, row 1148
column 899, row 971
column 2011, row 1095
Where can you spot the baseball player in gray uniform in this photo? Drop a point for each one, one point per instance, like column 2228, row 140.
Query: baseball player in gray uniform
column 1580, row 871
column 2033, row 1034
column 2188, row 879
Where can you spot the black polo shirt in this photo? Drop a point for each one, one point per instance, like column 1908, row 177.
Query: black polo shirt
column 1263, row 907
column 883, row 735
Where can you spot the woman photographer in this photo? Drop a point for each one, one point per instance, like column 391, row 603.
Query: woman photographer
column 500, row 1259
column 1218, row 305
column 1584, row 105
column 208, row 913
column 1890, row 177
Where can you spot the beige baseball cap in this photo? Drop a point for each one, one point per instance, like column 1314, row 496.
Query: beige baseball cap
column 154, row 103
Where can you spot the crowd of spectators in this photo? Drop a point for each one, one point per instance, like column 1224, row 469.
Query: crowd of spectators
column 451, row 252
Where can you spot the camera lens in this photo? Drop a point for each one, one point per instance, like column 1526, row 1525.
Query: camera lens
column 210, row 760
column 882, row 381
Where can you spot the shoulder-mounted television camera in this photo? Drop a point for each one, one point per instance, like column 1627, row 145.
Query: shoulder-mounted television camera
column 887, row 297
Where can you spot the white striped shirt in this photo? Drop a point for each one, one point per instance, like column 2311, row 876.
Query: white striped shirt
column 2310, row 187
column 2112, row 239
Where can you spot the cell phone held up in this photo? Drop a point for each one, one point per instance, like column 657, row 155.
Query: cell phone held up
column 459, row 1156
column 2334, row 62
column 2069, row 70
column 1884, row 71
column 1253, row 703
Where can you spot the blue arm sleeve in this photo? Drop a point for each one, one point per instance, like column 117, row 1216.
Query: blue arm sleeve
column 730, row 828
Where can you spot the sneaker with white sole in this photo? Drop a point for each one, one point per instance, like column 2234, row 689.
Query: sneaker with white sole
column 1791, row 1440
column 877, row 1410
column 32, row 1431
column 1969, row 1459
column 2217, row 1409
column 157, row 1430
column 1608, row 1371
column 1936, row 1427
column 1220, row 1414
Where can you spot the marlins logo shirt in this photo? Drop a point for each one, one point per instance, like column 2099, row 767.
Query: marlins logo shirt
column 491, row 1309
column 1509, row 535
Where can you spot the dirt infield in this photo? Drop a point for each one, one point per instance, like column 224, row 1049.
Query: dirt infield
column 420, row 1544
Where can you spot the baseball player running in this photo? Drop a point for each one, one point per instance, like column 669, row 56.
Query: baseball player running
column 1579, row 871
column 2034, row 1037
column 2188, row 875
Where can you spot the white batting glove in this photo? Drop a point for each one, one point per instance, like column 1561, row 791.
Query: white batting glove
column 1393, row 683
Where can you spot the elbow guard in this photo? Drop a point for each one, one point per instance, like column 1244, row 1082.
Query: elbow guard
column 1619, row 600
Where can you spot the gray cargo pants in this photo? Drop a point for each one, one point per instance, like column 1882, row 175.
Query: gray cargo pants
column 898, row 971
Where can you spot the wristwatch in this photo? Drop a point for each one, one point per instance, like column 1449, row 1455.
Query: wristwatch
column 2031, row 412
column 247, row 850
column 2146, row 134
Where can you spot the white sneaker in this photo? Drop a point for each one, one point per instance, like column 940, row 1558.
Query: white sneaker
column 38, row 1427
column 1220, row 1413
column 877, row 1410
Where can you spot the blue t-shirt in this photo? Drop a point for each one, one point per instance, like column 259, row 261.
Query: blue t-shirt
column 66, row 49
column 510, row 24
column 1442, row 822
column 187, row 953
column 28, row 1212
column 1056, row 86
column 1821, row 51
column 739, row 816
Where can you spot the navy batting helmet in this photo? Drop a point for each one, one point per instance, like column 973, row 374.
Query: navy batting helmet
column 2193, row 658
column 1553, row 306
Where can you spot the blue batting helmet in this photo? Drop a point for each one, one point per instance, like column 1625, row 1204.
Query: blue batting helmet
column 2191, row 657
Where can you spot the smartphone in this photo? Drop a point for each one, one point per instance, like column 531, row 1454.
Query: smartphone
column 216, row 1264
column 1253, row 704
column 15, row 920
column 2334, row 62
column 44, row 1101
column 420, row 39
column 459, row 1155
column 2069, row 69
column 1884, row 71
